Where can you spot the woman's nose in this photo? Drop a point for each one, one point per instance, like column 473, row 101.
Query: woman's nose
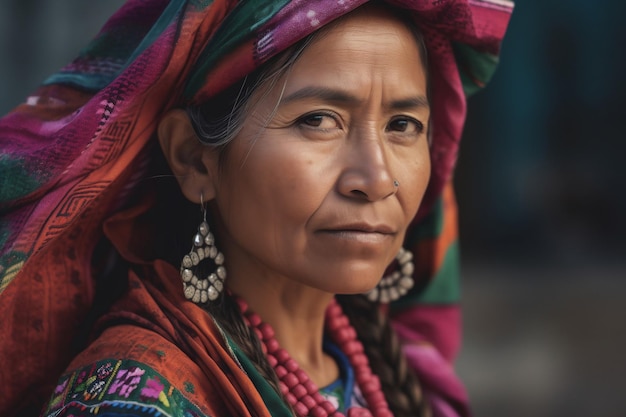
column 366, row 174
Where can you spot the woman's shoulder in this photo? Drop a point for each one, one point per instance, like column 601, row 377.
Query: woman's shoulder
column 130, row 370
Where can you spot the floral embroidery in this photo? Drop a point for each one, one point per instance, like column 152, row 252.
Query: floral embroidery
column 126, row 381
column 152, row 389
column 115, row 387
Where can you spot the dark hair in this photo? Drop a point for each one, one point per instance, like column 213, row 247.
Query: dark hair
column 216, row 122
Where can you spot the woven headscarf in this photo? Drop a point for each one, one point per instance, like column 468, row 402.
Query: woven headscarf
column 75, row 150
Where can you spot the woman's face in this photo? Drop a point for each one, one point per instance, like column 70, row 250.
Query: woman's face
column 305, row 193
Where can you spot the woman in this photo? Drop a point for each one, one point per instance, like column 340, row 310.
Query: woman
column 299, row 134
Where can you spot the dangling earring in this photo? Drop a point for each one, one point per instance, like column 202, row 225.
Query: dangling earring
column 398, row 283
column 202, row 290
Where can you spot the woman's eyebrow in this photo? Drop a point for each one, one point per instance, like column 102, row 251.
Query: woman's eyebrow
column 409, row 103
column 333, row 95
column 323, row 94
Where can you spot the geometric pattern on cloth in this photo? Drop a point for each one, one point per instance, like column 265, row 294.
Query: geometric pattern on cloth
column 119, row 387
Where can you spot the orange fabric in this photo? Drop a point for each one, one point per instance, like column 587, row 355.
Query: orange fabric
column 168, row 333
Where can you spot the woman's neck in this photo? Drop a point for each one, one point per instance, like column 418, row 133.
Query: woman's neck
column 296, row 313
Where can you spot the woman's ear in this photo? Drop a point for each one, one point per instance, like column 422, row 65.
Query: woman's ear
column 194, row 165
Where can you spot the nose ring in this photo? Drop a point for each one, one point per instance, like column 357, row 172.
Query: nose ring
column 396, row 183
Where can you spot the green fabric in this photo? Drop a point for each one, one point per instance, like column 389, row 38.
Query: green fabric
column 272, row 400
column 430, row 227
column 481, row 65
column 445, row 286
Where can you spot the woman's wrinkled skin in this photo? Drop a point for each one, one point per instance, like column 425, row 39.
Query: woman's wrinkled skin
column 304, row 197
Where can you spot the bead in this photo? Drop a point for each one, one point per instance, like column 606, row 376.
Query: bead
column 194, row 258
column 273, row 346
column 290, row 380
column 373, row 295
column 301, row 409
column 186, row 274
column 209, row 239
column 334, row 309
column 189, row 292
column 404, row 256
column 266, row 330
column 271, row 360
column 359, row 412
column 280, row 371
column 310, row 403
column 221, row 272
column 282, row 355
column 301, row 375
column 352, row 333
column 197, row 240
column 318, row 411
column 201, row 255
column 258, row 333
column 352, row 347
column 204, row 296
column 291, row 398
column 219, row 259
column 284, row 389
column 310, row 387
column 196, row 296
column 328, row 407
column 318, row 397
column 370, row 386
column 254, row 319
column 363, row 373
column 406, row 282
column 334, row 324
column 393, row 293
column 408, row 268
column 243, row 306
column 343, row 335
column 383, row 412
column 212, row 252
column 194, row 280
column 375, row 399
column 213, row 294
column 219, row 285
column 299, row 391
column 203, row 228
column 291, row 365
column 359, row 359
column 187, row 261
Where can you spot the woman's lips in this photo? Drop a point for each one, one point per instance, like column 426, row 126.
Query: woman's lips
column 365, row 233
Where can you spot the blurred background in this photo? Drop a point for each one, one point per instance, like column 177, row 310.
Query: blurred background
column 540, row 188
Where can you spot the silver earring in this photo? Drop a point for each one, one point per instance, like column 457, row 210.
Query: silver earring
column 201, row 290
column 398, row 283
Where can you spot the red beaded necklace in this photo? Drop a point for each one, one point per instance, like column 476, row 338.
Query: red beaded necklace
column 296, row 386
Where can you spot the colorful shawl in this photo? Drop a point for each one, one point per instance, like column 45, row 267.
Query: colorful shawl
column 75, row 152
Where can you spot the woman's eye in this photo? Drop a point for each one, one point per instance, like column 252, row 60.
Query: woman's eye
column 405, row 125
column 318, row 121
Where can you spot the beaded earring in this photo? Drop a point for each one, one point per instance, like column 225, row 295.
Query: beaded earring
column 396, row 284
column 202, row 290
